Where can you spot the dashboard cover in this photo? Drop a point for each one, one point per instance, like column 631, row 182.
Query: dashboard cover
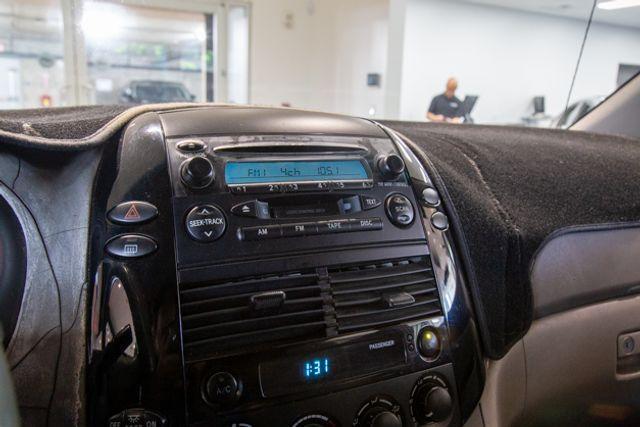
column 511, row 187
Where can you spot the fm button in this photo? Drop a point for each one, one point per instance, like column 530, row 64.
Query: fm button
column 399, row 210
column 205, row 223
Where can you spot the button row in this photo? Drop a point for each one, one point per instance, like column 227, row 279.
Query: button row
column 293, row 187
column 309, row 228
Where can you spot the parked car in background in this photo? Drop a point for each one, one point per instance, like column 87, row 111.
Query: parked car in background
column 575, row 112
column 154, row 91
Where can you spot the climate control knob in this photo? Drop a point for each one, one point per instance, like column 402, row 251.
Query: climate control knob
column 431, row 401
column 379, row 412
column 315, row 420
column 197, row 172
column 391, row 166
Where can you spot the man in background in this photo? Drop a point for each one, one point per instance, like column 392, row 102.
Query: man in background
column 446, row 107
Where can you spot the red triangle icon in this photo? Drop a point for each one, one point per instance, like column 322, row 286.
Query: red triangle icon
column 132, row 213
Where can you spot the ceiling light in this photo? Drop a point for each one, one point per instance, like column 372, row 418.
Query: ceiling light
column 618, row 4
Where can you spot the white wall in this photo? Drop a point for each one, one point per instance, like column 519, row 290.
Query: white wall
column 506, row 57
column 322, row 61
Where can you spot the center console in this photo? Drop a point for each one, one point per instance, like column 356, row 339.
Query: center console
column 302, row 269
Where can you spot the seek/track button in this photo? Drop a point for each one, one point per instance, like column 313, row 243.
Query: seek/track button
column 205, row 223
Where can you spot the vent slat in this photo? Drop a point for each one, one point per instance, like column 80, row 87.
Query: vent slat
column 382, row 311
column 195, row 309
column 252, row 285
column 376, row 322
column 254, row 325
column 218, row 317
column 375, row 286
column 375, row 274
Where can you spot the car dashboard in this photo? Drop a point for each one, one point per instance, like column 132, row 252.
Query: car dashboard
column 252, row 266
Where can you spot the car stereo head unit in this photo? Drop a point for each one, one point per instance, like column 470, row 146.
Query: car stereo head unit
column 241, row 191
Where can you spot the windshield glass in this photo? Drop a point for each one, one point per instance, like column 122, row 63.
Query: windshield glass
column 541, row 63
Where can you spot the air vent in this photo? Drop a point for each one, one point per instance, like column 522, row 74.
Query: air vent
column 376, row 295
column 235, row 316
column 223, row 317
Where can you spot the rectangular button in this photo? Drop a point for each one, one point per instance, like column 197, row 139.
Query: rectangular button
column 261, row 233
column 335, row 226
column 255, row 188
column 301, row 229
column 357, row 185
column 364, row 224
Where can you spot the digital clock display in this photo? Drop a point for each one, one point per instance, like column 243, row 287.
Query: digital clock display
column 301, row 171
column 316, row 368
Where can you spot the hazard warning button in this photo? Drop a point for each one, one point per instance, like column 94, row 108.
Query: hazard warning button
column 133, row 212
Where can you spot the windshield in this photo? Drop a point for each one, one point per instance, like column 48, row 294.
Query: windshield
column 537, row 63
column 159, row 92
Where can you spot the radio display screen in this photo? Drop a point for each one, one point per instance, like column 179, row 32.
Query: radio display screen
column 294, row 171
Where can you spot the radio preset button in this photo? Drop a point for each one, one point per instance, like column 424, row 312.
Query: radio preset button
column 365, row 224
column 301, row 229
column 399, row 210
column 252, row 209
column 205, row 223
column 369, row 202
column 262, row 232
column 335, row 226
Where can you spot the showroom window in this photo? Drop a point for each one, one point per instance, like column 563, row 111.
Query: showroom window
column 79, row 52
column 31, row 54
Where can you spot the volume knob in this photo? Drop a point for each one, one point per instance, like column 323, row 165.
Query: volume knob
column 197, row 172
column 391, row 166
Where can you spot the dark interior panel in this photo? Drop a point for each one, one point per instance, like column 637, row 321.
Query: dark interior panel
column 13, row 268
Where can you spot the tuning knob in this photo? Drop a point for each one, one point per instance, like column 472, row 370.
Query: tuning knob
column 385, row 419
column 197, row 172
column 379, row 412
column 438, row 403
column 432, row 401
column 391, row 166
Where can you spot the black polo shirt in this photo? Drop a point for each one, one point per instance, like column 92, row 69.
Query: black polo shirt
column 448, row 107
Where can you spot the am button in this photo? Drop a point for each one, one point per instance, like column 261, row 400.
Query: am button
column 262, row 232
